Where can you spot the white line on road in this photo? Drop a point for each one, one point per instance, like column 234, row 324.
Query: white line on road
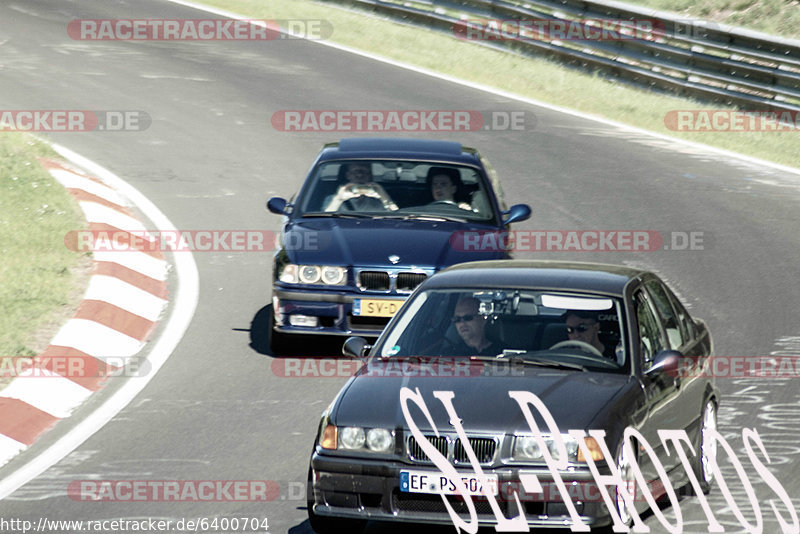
column 184, row 304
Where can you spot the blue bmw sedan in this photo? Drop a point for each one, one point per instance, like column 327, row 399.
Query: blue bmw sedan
column 375, row 218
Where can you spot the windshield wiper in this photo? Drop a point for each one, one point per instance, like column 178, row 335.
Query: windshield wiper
column 519, row 356
column 553, row 363
column 339, row 215
column 422, row 217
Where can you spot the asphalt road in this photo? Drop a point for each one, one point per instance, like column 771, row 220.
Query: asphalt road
column 210, row 159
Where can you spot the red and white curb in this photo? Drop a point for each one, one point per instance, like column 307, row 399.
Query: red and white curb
column 126, row 296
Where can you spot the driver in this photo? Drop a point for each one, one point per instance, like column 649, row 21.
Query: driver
column 445, row 185
column 360, row 193
column 583, row 326
column 471, row 328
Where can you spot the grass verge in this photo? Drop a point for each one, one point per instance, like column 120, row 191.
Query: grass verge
column 777, row 17
column 533, row 78
column 40, row 279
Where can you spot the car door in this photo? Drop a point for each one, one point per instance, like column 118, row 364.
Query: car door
column 680, row 336
column 662, row 391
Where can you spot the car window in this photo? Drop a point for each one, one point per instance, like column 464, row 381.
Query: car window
column 650, row 340
column 685, row 320
column 495, row 181
column 398, row 188
column 510, row 322
column 676, row 334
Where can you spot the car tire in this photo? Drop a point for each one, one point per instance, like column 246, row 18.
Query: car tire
column 624, row 466
column 705, row 448
column 330, row 525
column 278, row 342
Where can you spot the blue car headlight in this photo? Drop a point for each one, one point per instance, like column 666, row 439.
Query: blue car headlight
column 329, row 275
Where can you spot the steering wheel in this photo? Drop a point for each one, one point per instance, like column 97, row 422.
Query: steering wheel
column 582, row 345
column 359, row 190
column 369, row 195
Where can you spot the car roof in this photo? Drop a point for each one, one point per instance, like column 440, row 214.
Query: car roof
column 539, row 274
column 399, row 148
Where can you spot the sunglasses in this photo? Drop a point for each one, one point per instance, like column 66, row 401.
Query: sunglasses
column 465, row 318
column 581, row 328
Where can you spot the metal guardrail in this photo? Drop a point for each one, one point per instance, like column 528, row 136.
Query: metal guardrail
column 697, row 59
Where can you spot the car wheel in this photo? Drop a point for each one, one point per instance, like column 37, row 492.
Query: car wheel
column 706, row 448
column 330, row 525
column 625, row 468
column 278, row 342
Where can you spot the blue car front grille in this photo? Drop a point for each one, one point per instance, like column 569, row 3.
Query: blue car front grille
column 401, row 281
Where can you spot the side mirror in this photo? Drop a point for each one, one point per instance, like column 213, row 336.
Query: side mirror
column 277, row 205
column 355, row 347
column 517, row 213
column 666, row 361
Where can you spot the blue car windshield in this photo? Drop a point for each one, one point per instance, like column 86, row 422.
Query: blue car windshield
column 383, row 188
column 578, row 330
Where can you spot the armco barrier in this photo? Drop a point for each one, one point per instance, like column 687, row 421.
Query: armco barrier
column 698, row 59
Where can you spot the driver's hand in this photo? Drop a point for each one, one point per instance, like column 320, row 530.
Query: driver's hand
column 358, row 190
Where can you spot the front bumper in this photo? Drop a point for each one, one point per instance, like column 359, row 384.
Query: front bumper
column 333, row 311
column 364, row 489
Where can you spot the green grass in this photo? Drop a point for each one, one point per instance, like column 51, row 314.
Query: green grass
column 534, row 78
column 777, row 17
column 40, row 279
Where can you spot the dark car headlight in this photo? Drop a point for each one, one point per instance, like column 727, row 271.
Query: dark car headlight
column 330, row 275
column 527, row 448
column 354, row 438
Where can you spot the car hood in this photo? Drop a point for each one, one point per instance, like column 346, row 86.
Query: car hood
column 574, row 398
column 370, row 242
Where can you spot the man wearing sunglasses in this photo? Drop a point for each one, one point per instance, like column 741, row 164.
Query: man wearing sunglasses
column 471, row 328
column 583, row 326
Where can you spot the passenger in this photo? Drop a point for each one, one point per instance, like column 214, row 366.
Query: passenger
column 360, row 193
column 446, row 186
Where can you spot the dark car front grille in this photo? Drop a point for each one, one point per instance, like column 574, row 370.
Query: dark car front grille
column 373, row 280
column 415, row 452
column 409, row 281
column 484, row 450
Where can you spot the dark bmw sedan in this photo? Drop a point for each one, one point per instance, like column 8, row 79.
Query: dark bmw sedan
column 375, row 218
column 495, row 373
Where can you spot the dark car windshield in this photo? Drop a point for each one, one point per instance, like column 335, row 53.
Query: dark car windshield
column 579, row 330
column 383, row 188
